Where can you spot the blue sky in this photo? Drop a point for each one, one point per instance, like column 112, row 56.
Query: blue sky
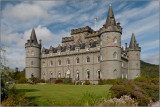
column 53, row 20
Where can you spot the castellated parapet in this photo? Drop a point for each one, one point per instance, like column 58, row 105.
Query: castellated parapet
column 85, row 55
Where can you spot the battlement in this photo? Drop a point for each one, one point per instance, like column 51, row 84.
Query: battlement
column 32, row 45
column 81, row 30
column 67, row 39
column 93, row 34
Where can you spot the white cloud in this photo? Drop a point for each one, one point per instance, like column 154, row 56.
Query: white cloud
column 150, row 45
column 152, row 58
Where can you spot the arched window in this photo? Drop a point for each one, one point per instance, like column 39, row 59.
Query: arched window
column 99, row 74
column 122, row 64
column 32, row 52
column 77, row 76
column 77, row 60
column 88, row 74
column 31, row 62
column 51, row 63
column 51, row 75
column 115, row 55
column 59, row 74
column 32, row 75
column 122, row 76
column 43, row 75
column 68, row 61
column 115, row 40
column 115, row 73
column 68, row 74
column 88, row 59
column 98, row 59
column 59, row 62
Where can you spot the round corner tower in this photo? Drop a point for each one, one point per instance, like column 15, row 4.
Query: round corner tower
column 110, row 35
column 33, row 52
column 133, row 53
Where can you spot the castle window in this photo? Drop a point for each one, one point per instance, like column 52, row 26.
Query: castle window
column 126, row 76
column 59, row 62
column 115, row 73
column 32, row 63
column 51, row 73
column 77, row 60
column 99, row 74
column 98, row 47
column 88, row 59
column 51, row 63
column 77, row 76
column 122, row 64
column 58, row 52
column 32, row 75
column 43, row 63
column 98, row 59
column 68, row 74
column 77, row 49
column 115, row 40
column 32, row 53
column 59, row 74
column 115, row 55
column 122, row 76
column 68, row 51
column 88, row 74
column 68, row 61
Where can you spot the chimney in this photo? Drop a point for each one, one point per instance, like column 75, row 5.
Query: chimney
column 125, row 46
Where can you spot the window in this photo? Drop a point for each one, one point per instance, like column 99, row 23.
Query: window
column 58, row 52
column 32, row 52
column 122, row 76
column 88, row 59
column 115, row 73
column 68, row 61
column 87, row 49
column 88, row 74
column 115, row 40
column 32, row 63
column 98, row 59
column 98, row 47
column 99, row 75
column 68, row 74
column 122, row 64
column 43, row 63
column 59, row 62
column 51, row 73
column 32, row 75
column 43, row 75
column 50, row 54
column 77, row 49
column 115, row 55
column 68, row 51
column 77, row 60
column 59, row 74
column 51, row 63
column 77, row 76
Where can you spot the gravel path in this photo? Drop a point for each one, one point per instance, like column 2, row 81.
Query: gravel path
column 156, row 104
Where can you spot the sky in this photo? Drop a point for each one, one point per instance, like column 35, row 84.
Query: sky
column 53, row 20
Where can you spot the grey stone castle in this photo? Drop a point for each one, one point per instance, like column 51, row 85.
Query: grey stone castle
column 86, row 55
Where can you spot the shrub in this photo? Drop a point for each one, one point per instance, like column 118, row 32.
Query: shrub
column 155, row 81
column 112, row 81
column 123, row 101
column 141, row 91
column 67, row 80
column 58, row 81
column 101, row 82
column 141, row 79
column 86, row 82
column 22, row 80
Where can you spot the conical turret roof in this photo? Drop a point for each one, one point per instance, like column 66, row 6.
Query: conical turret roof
column 33, row 37
column 133, row 41
column 110, row 17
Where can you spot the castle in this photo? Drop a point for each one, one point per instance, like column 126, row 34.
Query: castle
column 86, row 55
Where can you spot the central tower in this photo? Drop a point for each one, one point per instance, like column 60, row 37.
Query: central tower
column 110, row 35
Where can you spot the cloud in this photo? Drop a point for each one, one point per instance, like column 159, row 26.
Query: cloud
column 150, row 45
column 151, row 58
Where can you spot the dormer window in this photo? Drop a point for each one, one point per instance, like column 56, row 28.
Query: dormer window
column 77, row 49
column 115, row 40
column 58, row 52
column 68, row 51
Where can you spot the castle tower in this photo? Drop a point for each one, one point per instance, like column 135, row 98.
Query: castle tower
column 133, row 58
column 110, row 35
column 33, row 52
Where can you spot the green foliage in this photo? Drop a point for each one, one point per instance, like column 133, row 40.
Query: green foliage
column 67, row 80
column 22, row 80
column 109, row 81
column 59, row 81
column 87, row 82
column 149, row 70
column 141, row 79
column 143, row 92
column 16, row 98
column 155, row 81
column 35, row 80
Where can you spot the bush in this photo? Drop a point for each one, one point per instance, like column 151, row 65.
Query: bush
column 101, row 82
column 67, row 80
column 141, row 79
column 58, row 81
column 86, row 82
column 155, row 81
column 113, row 81
column 22, row 80
column 141, row 91
column 35, row 80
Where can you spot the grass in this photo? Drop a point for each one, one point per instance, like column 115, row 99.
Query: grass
column 60, row 93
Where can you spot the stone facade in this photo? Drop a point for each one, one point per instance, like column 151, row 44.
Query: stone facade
column 86, row 55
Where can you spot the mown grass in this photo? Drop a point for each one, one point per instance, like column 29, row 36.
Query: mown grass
column 44, row 94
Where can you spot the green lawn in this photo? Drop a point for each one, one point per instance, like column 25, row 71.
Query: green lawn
column 60, row 93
